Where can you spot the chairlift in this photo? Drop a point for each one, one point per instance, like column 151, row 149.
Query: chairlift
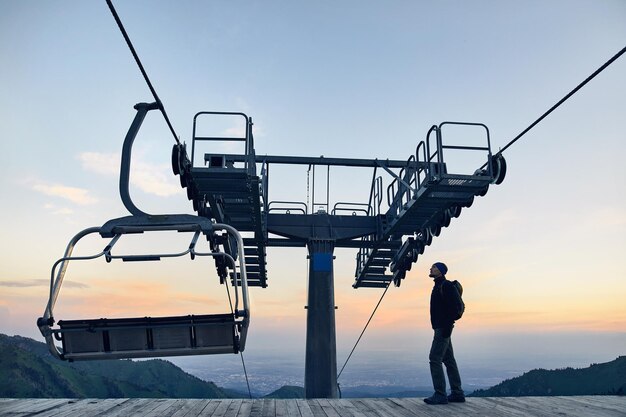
column 141, row 337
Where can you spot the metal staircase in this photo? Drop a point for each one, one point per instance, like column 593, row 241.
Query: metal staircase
column 422, row 200
column 226, row 188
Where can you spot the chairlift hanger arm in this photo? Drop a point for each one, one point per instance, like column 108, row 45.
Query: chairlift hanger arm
column 142, row 110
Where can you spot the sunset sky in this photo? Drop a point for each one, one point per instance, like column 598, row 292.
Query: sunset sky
column 541, row 256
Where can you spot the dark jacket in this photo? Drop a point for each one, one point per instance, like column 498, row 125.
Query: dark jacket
column 440, row 298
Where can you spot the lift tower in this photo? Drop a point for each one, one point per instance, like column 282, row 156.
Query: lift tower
column 390, row 229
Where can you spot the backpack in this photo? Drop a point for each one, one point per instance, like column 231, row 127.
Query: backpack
column 455, row 310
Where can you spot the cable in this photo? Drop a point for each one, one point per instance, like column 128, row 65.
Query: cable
column 571, row 93
column 245, row 372
column 365, row 328
column 141, row 68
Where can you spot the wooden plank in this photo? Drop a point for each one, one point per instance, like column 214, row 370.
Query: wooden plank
column 192, row 406
column 8, row 403
column 305, row 409
column 144, row 407
column 115, row 404
column 280, row 408
column 605, row 402
column 269, row 407
column 207, row 409
column 220, row 410
column 504, row 406
column 39, row 405
column 394, row 408
column 99, row 406
column 365, row 407
column 245, row 408
column 162, row 404
column 173, row 407
column 474, row 407
column 36, row 405
column 591, row 405
column 419, row 407
column 413, row 406
column 545, row 406
column 233, row 408
column 125, row 407
column 347, row 405
column 343, row 408
column 292, row 408
column 316, row 409
column 69, row 406
column 328, row 409
column 257, row 409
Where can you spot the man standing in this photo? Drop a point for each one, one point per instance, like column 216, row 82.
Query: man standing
column 444, row 298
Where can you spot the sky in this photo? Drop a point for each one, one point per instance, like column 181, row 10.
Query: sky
column 540, row 256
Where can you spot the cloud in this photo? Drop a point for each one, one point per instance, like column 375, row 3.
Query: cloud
column 73, row 194
column 100, row 163
column 153, row 179
column 235, row 132
column 63, row 211
column 28, row 283
column 58, row 210
column 149, row 178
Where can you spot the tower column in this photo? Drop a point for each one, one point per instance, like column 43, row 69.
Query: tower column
column 320, row 376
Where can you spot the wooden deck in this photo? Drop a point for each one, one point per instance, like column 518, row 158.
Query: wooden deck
column 376, row 407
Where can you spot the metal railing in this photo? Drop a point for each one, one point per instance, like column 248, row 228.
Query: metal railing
column 248, row 139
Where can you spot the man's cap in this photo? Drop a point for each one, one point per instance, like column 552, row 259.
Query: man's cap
column 441, row 267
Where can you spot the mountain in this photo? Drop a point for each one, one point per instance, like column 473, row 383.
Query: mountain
column 287, row 391
column 597, row 379
column 27, row 370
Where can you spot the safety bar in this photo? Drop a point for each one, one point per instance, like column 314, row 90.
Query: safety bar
column 114, row 229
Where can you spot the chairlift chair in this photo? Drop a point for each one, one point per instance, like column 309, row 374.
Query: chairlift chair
column 140, row 337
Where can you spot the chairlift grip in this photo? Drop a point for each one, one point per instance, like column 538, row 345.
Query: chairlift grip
column 242, row 264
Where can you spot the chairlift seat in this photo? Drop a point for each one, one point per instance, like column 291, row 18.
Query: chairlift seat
column 148, row 336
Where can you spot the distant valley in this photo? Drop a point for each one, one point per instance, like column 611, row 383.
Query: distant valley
column 27, row 370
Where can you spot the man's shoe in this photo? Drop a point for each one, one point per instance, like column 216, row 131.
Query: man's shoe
column 455, row 398
column 436, row 400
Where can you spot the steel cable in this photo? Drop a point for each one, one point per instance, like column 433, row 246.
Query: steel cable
column 141, row 68
column 362, row 332
column 571, row 93
column 245, row 372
